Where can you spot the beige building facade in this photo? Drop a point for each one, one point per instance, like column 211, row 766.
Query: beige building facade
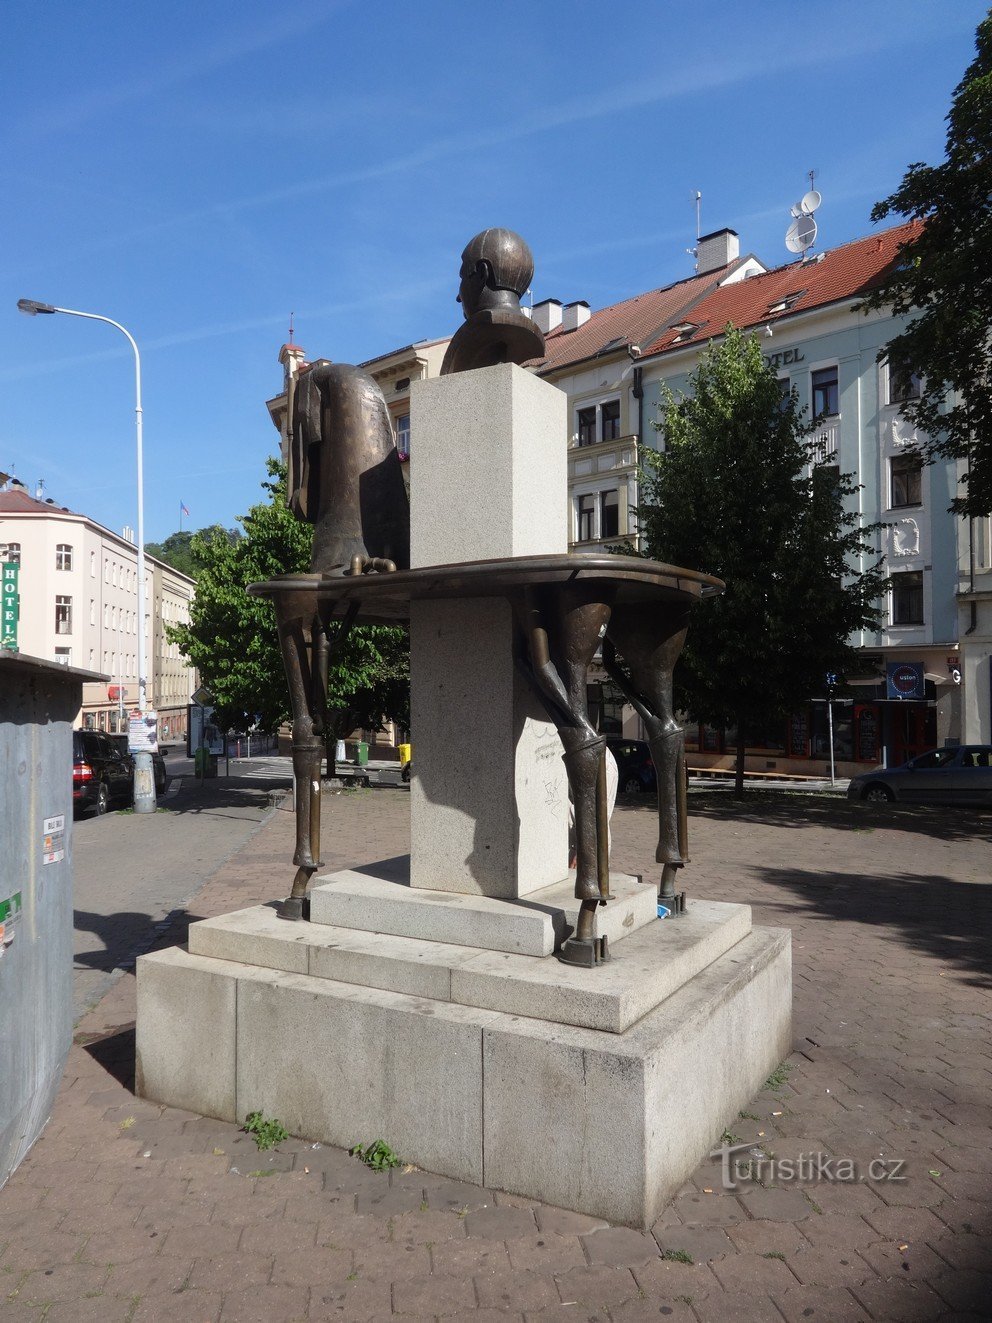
column 78, row 605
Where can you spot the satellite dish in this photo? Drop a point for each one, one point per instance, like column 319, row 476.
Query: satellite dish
column 810, row 202
column 801, row 234
column 795, row 211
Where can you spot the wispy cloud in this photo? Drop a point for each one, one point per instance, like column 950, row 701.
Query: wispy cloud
column 241, row 40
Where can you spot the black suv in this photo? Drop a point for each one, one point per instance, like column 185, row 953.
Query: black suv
column 101, row 774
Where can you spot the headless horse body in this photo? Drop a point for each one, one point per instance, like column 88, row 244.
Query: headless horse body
column 345, row 479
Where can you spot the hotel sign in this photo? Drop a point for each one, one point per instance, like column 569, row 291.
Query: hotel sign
column 784, row 358
column 9, row 606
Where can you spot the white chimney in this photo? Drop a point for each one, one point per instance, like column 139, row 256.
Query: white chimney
column 574, row 315
column 717, row 250
column 547, row 315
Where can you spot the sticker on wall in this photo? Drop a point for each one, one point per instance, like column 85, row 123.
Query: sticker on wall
column 53, row 840
column 10, row 913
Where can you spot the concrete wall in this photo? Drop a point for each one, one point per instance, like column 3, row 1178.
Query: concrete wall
column 38, row 701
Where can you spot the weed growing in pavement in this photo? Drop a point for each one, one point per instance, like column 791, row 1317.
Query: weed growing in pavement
column 774, row 1254
column 677, row 1256
column 127, row 1123
column 778, row 1077
column 266, row 1131
column 748, row 1116
column 377, row 1155
column 729, row 1138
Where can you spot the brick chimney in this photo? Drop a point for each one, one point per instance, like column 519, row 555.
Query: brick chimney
column 547, row 315
column 717, row 250
column 574, row 315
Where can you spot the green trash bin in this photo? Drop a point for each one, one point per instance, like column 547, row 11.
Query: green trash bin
column 361, row 754
column 200, row 757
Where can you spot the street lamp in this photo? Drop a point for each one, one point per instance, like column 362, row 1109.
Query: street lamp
column 144, row 789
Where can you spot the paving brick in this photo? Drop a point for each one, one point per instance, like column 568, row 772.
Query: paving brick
column 963, row 1288
column 179, row 1307
column 430, row 1295
column 737, row 1309
column 55, row 1248
column 545, row 1253
column 576, row 1314
column 620, row 1247
column 900, row 1302
column 520, row 1291
column 709, row 1210
column 155, row 1274
column 385, row 1261
column 820, row 1304
column 775, row 1205
column 95, row 1309
column 469, row 1258
column 667, row 1280
column 354, row 1300
column 598, row 1285
column 291, row 1267
column 562, row 1222
column 66, row 1281
column 229, row 1272
column 756, row 1274
column 121, row 1246
column 500, row 1223
column 266, row 1304
column 418, row 1228
column 201, row 1242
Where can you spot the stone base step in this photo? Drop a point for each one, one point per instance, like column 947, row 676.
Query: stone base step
column 380, row 900
column 645, row 968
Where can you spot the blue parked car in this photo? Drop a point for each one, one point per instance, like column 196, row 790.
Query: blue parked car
column 634, row 765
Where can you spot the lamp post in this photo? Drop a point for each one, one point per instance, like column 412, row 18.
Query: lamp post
column 144, row 780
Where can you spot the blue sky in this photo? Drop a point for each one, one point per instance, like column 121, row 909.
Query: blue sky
column 198, row 171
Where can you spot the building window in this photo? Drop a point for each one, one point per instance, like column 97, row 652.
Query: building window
column 63, row 656
column 63, row 556
column 403, row 435
column 585, row 516
column 597, row 422
column 904, row 386
column 92, row 564
column 609, row 513
column 785, row 394
column 11, row 553
column 63, row 615
column 825, row 395
column 587, row 426
column 907, row 598
column 611, row 420
column 906, row 473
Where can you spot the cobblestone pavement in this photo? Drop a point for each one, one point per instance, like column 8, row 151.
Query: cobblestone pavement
column 127, row 1211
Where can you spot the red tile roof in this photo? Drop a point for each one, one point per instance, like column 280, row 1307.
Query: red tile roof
column 634, row 321
column 18, row 500
column 847, row 272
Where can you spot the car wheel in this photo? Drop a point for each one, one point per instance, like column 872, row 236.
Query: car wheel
column 631, row 785
column 102, row 800
column 877, row 794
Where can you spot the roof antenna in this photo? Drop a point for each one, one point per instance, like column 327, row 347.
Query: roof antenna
column 291, row 316
column 801, row 234
column 696, row 197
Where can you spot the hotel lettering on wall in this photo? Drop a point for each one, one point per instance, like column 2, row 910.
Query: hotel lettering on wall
column 784, row 358
column 9, row 606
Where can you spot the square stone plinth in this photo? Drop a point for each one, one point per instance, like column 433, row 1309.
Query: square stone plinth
column 605, row 1123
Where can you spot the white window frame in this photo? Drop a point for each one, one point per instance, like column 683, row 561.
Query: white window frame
column 599, row 406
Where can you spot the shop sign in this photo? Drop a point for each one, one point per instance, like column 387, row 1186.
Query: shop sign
column 904, row 680
column 9, row 606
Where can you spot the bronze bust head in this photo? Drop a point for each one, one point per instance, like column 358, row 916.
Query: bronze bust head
column 497, row 268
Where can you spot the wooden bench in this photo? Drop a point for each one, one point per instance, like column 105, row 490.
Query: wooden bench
column 775, row 776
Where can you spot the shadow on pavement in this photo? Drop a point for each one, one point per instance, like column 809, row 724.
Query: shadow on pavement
column 949, row 920
column 778, row 808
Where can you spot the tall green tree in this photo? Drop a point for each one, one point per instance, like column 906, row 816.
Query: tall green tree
column 732, row 494
column 944, row 281
column 175, row 550
column 232, row 637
